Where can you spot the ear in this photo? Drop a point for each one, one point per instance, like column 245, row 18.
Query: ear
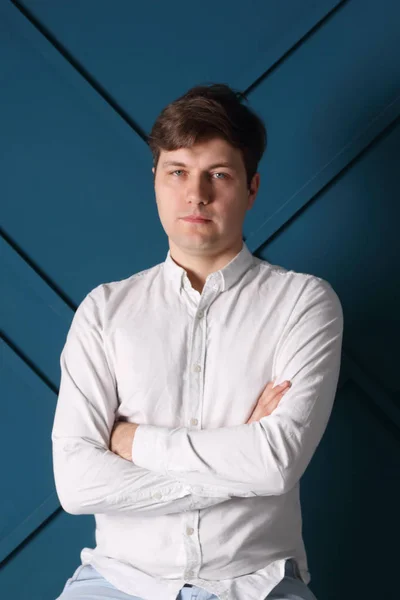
column 254, row 186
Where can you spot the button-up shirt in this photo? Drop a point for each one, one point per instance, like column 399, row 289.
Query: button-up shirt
column 207, row 498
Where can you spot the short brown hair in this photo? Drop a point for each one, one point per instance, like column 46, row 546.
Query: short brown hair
column 206, row 112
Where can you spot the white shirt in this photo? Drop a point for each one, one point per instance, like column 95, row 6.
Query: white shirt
column 207, row 499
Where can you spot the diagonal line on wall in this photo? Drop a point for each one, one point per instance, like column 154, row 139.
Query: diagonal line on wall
column 293, row 49
column 376, row 130
column 35, row 533
column 92, row 81
column 350, row 370
column 102, row 91
column 374, row 391
column 28, row 362
column 32, row 510
column 46, row 279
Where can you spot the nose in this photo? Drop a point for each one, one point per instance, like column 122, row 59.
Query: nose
column 198, row 189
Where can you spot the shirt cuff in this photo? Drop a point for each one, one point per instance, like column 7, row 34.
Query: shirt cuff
column 149, row 448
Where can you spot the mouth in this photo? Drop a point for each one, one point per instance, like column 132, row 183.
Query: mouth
column 196, row 220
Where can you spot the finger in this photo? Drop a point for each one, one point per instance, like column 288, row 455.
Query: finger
column 280, row 391
column 275, row 401
column 270, row 394
column 262, row 411
column 281, row 386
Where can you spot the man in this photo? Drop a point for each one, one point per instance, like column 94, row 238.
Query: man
column 172, row 426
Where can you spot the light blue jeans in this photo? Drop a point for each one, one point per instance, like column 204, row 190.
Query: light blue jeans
column 87, row 584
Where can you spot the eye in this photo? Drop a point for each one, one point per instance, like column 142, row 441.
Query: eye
column 224, row 175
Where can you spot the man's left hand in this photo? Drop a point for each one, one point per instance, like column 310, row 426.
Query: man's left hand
column 121, row 439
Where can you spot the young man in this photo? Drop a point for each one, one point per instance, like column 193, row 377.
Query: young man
column 171, row 425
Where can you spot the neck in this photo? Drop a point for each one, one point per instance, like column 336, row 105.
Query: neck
column 199, row 266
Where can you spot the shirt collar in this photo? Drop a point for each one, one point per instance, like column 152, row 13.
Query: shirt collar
column 224, row 278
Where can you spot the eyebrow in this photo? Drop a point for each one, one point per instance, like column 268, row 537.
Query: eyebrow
column 176, row 163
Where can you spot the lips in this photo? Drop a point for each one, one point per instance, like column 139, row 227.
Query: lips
column 196, row 219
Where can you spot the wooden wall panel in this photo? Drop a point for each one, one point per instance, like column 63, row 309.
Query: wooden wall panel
column 146, row 54
column 80, row 88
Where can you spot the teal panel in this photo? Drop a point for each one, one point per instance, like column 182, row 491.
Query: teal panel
column 98, row 169
column 144, row 54
column 322, row 106
column 78, row 209
column 349, row 236
column 29, row 495
column 76, row 182
column 350, row 495
column 39, row 569
column 34, row 317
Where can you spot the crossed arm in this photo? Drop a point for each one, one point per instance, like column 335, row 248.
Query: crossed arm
column 172, row 470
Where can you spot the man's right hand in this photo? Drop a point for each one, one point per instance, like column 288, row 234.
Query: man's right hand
column 269, row 400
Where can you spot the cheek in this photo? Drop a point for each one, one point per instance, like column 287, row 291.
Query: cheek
column 170, row 210
column 167, row 200
column 230, row 210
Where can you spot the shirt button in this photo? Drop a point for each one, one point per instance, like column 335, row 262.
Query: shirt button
column 190, row 574
column 196, row 368
column 157, row 496
column 193, row 421
column 200, row 314
column 189, row 530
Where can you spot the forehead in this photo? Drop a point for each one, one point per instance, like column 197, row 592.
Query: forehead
column 204, row 153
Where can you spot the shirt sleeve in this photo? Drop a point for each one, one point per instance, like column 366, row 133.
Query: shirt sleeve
column 269, row 456
column 89, row 478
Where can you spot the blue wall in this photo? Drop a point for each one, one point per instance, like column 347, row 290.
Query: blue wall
column 81, row 84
